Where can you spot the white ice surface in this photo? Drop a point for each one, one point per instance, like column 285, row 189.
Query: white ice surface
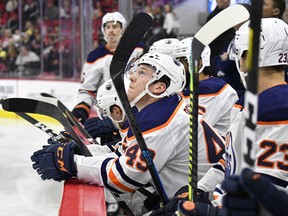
column 22, row 191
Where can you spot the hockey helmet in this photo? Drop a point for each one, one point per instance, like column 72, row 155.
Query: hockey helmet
column 164, row 46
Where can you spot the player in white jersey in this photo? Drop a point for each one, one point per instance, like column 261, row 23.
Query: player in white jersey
column 272, row 124
column 216, row 97
column 96, row 69
column 163, row 118
column 271, row 106
column 270, row 148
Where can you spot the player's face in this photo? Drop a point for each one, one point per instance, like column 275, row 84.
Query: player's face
column 223, row 3
column 268, row 9
column 139, row 79
column 112, row 31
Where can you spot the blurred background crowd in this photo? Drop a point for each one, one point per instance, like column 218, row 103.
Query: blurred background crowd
column 43, row 38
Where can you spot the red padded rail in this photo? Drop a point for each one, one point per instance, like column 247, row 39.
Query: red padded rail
column 81, row 199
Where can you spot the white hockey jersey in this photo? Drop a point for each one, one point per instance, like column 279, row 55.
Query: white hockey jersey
column 271, row 146
column 216, row 99
column 96, row 71
column 165, row 128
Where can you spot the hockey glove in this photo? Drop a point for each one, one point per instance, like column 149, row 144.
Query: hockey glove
column 272, row 199
column 237, row 201
column 56, row 161
column 181, row 196
column 99, row 128
column 199, row 209
column 81, row 112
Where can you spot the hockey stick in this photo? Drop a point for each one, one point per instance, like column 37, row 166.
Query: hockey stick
column 53, row 134
column 223, row 21
column 71, row 118
column 50, row 104
column 10, row 105
column 48, row 109
column 251, row 93
column 131, row 37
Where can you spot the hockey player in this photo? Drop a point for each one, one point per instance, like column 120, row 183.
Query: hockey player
column 154, row 88
column 216, row 98
column 104, row 127
column 269, row 149
column 96, row 69
column 272, row 105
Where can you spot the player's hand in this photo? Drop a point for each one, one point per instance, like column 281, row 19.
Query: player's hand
column 99, row 128
column 190, row 208
column 260, row 189
column 56, row 161
column 237, row 201
column 180, row 204
column 81, row 112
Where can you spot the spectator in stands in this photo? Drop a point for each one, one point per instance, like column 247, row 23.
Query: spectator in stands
column 67, row 11
column 51, row 56
column 219, row 44
column 52, row 65
column 26, row 59
column 169, row 21
column 157, row 30
column 51, row 11
column 138, row 6
column 25, row 40
column 7, row 38
column 12, row 11
column 158, row 20
column 11, row 5
column 16, row 37
column 11, row 58
column 29, row 29
column 3, row 53
column 36, row 42
column 30, row 11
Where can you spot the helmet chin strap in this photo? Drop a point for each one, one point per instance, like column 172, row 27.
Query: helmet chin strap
column 142, row 94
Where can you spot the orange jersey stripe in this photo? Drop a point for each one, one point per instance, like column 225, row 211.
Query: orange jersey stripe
column 98, row 59
column 214, row 94
column 115, row 181
column 272, row 122
column 163, row 125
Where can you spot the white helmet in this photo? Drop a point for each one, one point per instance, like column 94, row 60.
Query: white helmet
column 164, row 46
column 183, row 49
column 273, row 42
column 163, row 65
column 113, row 17
column 107, row 97
column 273, row 48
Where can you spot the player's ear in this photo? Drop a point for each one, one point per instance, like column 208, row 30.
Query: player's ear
column 159, row 88
column 276, row 12
column 116, row 110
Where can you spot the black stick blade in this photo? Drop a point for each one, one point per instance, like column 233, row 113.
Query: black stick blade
column 17, row 105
